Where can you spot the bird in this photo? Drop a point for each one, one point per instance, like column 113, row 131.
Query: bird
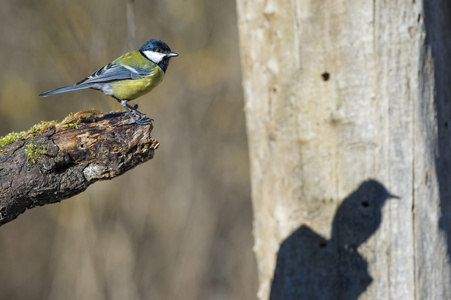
column 128, row 77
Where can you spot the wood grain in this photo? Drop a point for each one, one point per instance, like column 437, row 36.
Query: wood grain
column 338, row 94
column 100, row 148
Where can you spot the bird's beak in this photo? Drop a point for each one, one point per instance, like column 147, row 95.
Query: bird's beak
column 172, row 54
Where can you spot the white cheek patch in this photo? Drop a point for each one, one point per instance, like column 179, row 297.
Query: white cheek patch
column 156, row 57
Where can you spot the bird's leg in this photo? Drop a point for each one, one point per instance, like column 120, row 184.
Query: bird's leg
column 140, row 122
column 143, row 115
column 145, row 118
column 135, row 110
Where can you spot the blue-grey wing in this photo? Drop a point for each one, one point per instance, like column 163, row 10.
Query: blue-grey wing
column 113, row 72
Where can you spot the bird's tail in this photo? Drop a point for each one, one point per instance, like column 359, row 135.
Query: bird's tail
column 74, row 87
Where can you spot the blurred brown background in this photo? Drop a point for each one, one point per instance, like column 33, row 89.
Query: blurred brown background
column 176, row 227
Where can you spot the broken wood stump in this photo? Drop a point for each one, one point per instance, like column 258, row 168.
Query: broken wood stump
column 54, row 161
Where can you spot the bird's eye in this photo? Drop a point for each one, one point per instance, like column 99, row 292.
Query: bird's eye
column 158, row 50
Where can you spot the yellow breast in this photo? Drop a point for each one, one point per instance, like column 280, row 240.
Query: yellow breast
column 134, row 88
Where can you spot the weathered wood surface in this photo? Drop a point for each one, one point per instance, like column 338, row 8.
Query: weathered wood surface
column 100, row 148
column 349, row 100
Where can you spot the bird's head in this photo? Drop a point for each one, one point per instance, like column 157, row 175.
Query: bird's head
column 158, row 52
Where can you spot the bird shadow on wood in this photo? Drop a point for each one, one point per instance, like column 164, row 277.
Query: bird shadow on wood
column 312, row 267
column 437, row 23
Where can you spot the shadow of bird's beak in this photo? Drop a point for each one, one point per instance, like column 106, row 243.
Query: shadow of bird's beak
column 391, row 196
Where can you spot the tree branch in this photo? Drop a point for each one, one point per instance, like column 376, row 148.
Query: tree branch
column 61, row 160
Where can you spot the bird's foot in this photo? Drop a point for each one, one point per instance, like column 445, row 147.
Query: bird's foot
column 139, row 113
column 144, row 120
column 135, row 109
column 140, row 121
column 143, row 117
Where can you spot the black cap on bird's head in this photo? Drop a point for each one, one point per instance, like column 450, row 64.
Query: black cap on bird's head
column 158, row 52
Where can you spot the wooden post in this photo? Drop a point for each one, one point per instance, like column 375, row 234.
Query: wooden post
column 347, row 108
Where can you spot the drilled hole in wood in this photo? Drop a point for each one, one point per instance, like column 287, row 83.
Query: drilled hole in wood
column 325, row 76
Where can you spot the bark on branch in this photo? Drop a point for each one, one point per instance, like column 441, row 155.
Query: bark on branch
column 57, row 164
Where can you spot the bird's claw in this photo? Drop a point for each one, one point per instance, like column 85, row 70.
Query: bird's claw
column 139, row 121
column 144, row 121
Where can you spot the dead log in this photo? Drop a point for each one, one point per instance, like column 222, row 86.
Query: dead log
column 53, row 161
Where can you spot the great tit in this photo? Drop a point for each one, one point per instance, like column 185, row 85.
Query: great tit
column 128, row 77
